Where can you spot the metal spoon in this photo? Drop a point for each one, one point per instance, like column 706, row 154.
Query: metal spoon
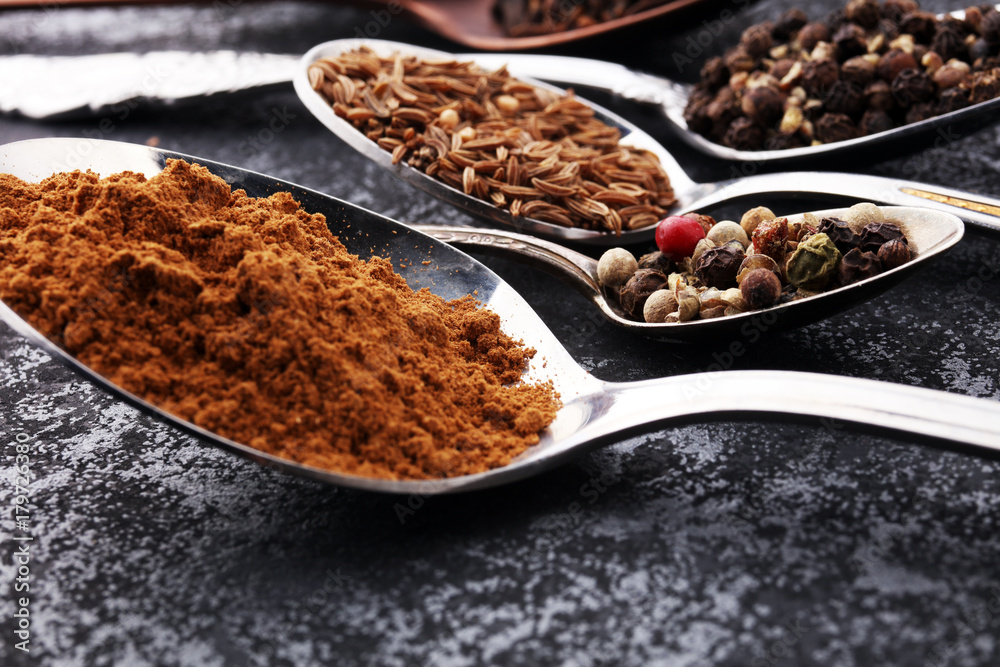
column 594, row 412
column 973, row 208
column 930, row 234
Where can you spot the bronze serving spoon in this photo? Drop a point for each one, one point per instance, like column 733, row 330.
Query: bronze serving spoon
column 594, row 412
column 468, row 22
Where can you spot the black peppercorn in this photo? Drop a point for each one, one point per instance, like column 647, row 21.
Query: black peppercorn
column 834, row 20
column 850, row 41
column 780, row 142
column 857, row 265
column 919, row 112
column 949, row 40
column 811, row 34
column 912, row 86
column 658, row 261
column 714, row 73
column 894, row 253
column 878, row 95
column 889, row 29
column 634, row 293
column 874, row 234
column 893, row 62
column 763, row 105
column 761, row 288
column 895, row 10
column 738, row 60
column 857, row 70
column 782, row 67
column 984, row 85
column 953, row 99
column 989, row 27
column 874, row 121
column 696, row 110
column 833, row 127
column 757, row 39
column 722, row 110
column 840, row 233
column 980, row 49
column 819, row 75
column 846, row 98
column 865, row 13
column 744, row 135
column 717, row 267
column 789, row 22
column 919, row 24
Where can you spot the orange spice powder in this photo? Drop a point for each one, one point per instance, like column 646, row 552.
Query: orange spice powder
column 249, row 318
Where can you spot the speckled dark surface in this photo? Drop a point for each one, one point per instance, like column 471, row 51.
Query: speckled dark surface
column 729, row 543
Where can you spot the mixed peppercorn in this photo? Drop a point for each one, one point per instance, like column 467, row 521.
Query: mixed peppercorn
column 867, row 68
column 705, row 269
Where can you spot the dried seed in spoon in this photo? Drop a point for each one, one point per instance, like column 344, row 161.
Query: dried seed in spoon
column 528, row 150
column 725, row 275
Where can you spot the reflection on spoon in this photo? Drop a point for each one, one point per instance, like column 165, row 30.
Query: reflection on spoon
column 930, row 234
column 975, row 209
column 594, row 412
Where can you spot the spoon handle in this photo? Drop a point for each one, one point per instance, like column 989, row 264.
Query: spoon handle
column 598, row 74
column 925, row 413
column 978, row 210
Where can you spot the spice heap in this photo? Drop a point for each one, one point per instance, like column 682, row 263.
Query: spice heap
column 533, row 152
column 866, row 69
column 524, row 18
column 248, row 318
column 705, row 269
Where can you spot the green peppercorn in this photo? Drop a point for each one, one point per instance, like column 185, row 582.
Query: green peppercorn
column 813, row 263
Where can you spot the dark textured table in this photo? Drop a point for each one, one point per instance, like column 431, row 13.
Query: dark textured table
column 731, row 543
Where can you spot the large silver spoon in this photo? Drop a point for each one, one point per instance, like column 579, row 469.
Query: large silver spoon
column 594, row 412
column 975, row 209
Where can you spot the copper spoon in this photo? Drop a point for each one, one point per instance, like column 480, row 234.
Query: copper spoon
column 468, row 22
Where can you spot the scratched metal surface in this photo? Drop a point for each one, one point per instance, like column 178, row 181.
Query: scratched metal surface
column 729, row 543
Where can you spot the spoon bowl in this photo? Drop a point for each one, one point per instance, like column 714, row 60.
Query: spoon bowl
column 975, row 209
column 593, row 412
column 929, row 233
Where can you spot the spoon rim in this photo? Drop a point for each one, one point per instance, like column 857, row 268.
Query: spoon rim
column 940, row 122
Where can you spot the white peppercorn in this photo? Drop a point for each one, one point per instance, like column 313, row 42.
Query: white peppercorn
column 659, row 304
column 615, row 267
column 863, row 214
column 727, row 230
column 754, row 217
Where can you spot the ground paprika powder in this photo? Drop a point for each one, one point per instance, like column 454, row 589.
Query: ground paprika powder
column 247, row 317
